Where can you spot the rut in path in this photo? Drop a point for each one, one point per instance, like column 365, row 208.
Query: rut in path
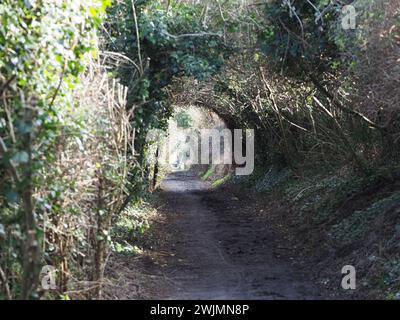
column 219, row 251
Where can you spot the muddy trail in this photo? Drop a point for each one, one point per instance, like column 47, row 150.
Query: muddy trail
column 209, row 246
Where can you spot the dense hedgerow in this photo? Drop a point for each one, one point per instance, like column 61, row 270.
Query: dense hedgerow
column 65, row 147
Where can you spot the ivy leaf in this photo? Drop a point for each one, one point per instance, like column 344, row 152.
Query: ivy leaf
column 11, row 196
column 24, row 127
column 20, row 157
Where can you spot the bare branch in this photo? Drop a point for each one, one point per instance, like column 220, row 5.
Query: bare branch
column 194, row 35
column 137, row 38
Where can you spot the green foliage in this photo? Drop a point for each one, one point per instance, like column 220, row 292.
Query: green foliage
column 391, row 275
column 360, row 222
column 177, row 43
column 273, row 179
column 209, row 173
column 298, row 35
column 45, row 46
column 168, row 51
column 129, row 229
column 219, row 182
column 183, row 120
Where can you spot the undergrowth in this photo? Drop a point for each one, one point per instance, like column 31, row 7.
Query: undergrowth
column 130, row 227
column 356, row 216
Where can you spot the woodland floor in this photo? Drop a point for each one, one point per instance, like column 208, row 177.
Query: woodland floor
column 212, row 244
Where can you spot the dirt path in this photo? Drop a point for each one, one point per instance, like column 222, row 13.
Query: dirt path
column 211, row 248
